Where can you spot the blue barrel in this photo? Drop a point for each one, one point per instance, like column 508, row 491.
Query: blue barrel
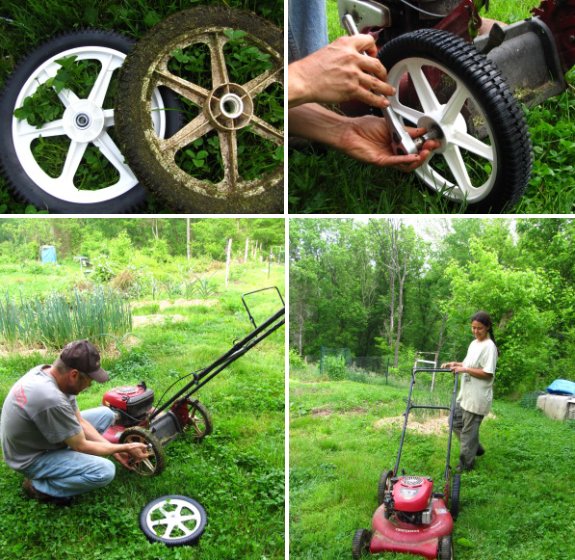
column 48, row 254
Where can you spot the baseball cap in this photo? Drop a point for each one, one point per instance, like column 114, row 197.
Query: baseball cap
column 84, row 356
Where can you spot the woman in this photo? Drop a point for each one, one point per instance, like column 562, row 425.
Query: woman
column 476, row 392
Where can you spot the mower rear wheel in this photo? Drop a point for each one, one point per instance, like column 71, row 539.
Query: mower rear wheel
column 384, row 485
column 155, row 462
column 200, row 420
column 445, row 549
column 454, row 496
column 360, row 545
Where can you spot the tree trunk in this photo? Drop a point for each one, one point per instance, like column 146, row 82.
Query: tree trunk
column 188, row 239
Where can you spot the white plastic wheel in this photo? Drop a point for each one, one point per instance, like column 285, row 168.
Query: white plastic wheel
column 173, row 520
column 84, row 122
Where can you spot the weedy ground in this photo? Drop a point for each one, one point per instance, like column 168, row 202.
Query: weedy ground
column 325, row 181
column 516, row 504
column 237, row 473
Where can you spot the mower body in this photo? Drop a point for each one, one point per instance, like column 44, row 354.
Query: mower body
column 134, row 406
column 393, row 533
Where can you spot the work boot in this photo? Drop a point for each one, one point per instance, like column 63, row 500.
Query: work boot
column 34, row 494
column 480, row 451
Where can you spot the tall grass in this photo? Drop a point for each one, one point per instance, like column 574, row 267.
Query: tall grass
column 57, row 319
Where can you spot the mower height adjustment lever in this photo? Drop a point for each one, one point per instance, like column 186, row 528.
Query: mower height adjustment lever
column 402, row 143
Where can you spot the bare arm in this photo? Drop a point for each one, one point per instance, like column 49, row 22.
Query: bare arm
column 458, row 367
column 365, row 138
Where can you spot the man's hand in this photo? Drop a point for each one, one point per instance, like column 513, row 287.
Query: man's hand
column 131, row 454
column 368, row 139
column 340, row 72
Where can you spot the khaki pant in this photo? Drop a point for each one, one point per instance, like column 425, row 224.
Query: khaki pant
column 466, row 428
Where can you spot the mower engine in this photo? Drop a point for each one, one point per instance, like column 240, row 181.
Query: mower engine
column 410, row 500
column 131, row 404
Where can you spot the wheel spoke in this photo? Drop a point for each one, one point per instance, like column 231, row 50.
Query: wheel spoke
column 457, row 167
column 263, row 81
column 472, row 144
column 408, row 113
column 193, row 92
column 100, row 87
column 73, row 158
column 216, row 44
column 423, row 88
column 54, row 128
column 453, row 107
column 267, row 131
column 229, row 151
column 192, row 131
column 113, row 154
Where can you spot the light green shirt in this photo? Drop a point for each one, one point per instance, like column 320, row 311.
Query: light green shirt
column 476, row 395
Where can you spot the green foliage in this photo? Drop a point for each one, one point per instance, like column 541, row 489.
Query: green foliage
column 334, row 367
column 522, row 273
column 56, row 319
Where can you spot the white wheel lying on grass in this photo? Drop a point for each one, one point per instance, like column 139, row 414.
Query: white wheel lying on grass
column 173, row 520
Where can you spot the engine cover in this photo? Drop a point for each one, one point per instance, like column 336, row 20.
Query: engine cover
column 133, row 403
column 412, row 493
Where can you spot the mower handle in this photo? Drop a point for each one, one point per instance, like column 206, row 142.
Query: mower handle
column 433, row 370
column 250, row 316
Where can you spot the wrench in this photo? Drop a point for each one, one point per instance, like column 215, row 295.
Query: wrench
column 402, row 143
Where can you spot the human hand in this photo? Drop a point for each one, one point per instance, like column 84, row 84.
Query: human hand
column 368, row 139
column 340, row 72
column 138, row 451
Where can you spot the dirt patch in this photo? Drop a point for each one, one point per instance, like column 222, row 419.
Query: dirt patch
column 328, row 411
column 157, row 319
column 165, row 304
column 432, row 426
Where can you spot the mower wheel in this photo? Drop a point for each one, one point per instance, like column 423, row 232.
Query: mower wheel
column 445, row 549
column 155, row 462
column 454, row 497
column 173, row 520
column 384, row 485
column 360, row 545
column 200, row 420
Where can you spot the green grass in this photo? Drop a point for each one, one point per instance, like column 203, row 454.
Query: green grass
column 323, row 181
column 23, row 27
column 516, row 504
column 237, row 473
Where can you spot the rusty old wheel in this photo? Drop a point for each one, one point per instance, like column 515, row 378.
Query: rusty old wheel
column 226, row 68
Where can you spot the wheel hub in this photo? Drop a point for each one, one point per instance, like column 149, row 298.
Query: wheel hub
column 230, row 107
column 83, row 121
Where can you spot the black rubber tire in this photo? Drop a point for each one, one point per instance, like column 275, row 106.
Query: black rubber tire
column 200, row 420
column 360, row 545
column 156, row 463
column 197, row 529
column 153, row 163
column 511, row 140
column 445, row 548
column 454, row 496
column 384, row 485
column 23, row 187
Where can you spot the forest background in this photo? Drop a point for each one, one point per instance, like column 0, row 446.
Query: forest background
column 383, row 288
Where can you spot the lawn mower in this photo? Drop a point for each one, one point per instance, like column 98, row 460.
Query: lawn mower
column 138, row 420
column 411, row 517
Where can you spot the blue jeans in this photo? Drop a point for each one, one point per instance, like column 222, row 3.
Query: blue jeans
column 64, row 473
column 307, row 27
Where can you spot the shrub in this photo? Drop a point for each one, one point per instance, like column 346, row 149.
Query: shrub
column 335, row 367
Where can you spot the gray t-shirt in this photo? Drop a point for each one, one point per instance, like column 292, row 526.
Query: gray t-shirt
column 36, row 417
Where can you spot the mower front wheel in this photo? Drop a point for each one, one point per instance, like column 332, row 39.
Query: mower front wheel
column 361, row 541
column 155, row 462
column 445, row 551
